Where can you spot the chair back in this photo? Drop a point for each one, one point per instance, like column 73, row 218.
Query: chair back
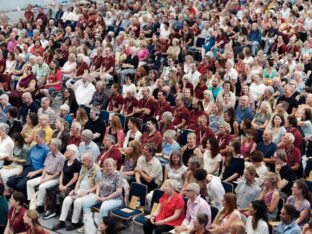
column 122, row 120
column 138, row 190
column 228, row 188
column 200, row 42
column 104, row 115
column 279, row 207
column 214, row 212
column 156, row 196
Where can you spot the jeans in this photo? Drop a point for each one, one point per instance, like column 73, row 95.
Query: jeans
column 254, row 47
column 106, row 206
column 215, row 51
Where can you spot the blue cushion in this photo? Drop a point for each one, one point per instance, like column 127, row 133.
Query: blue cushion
column 126, row 215
column 140, row 219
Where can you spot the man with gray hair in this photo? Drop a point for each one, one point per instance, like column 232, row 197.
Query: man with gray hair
column 41, row 70
column 267, row 96
column 6, row 143
column 84, row 90
column 53, row 166
column 195, row 205
column 5, row 105
column 293, row 153
column 89, row 177
column 46, row 109
column 87, row 145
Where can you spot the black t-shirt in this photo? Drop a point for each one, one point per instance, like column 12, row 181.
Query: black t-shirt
column 97, row 126
column 236, row 165
column 289, row 102
column 68, row 171
column 287, row 174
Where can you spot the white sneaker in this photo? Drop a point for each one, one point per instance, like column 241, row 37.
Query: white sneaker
column 81, row 230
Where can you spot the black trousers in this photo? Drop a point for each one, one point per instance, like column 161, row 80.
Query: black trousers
column 148, row 228
column 19, row 183
column 150, row 185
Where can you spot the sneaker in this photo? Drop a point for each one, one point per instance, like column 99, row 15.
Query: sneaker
column 81, row 230
column 59, row 225
column 48, row 215
column 72, row 226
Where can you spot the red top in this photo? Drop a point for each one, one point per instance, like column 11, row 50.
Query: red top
column 161, row 108
column 293, row 156
column 193, row 119
column 74, row 140
column 107, row 63
column 114, row 101
column 113, row 153
column 52, row 78
column 155, row 139
column 16, row 221
column 202, row 136
column 245, row 150
column 129, row 104
column 81, row 68
column 299, row 142
column 168, row 207
column 179, row 115
column 97, row 62
column 199, row 91
column 2, row 65
column 148, row 103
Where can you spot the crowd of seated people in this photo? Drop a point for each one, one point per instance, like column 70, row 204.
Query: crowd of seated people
column 209, row 102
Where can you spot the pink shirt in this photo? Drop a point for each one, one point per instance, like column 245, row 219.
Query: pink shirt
column 142, row 54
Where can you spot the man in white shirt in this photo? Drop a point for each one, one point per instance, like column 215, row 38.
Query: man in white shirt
column 193, row 75
column 6, row 143
column 215, row 191
column 257, row 88
column 84, row 90
column 231, row 73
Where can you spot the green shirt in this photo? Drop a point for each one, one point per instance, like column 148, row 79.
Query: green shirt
column 4, row 210
column 41, row 71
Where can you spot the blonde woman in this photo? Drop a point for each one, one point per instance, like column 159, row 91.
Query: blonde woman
column 270, row 194
column 115, row 129
column 174, row 50
column 31, row 219
column 208, row 101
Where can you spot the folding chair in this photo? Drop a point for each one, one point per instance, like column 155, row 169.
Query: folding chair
column 104, row 115
column 137, row 195
column 228, row 188
column 140, row 220
column 122, row 120
column 214, row 212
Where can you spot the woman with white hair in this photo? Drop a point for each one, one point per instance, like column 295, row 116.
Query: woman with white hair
column 166, row 122
column 169, row 213
column 108, row 191
column 67, row 181
column 168, row 146
column 6, row 143
column 69, row 67
column 263, row 116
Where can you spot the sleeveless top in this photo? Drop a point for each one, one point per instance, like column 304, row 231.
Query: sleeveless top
column 187, row 155
column 268, row 200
